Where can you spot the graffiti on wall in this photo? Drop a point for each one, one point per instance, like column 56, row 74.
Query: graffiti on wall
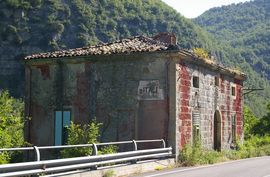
column 150, row 90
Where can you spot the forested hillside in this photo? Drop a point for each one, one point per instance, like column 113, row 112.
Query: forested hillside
column 33, row 26
column 244, row 27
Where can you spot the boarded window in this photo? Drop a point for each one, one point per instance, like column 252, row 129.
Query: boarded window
column 217, row 81
column 195, row 81
column 233, row 129
column 62, row 122
column 196, row 126
column 196, row 118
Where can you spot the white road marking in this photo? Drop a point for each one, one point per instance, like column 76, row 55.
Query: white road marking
column 207, row 166
column 176, row 171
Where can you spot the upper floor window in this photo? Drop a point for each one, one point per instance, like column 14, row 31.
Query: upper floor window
column 216, row 81
column 195, row 81
column 233, row 91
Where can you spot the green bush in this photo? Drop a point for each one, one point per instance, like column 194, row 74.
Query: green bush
column 81, row 134
column 4, row 158
column 85, row 134
column 253, row 147
column 195, row 155
column 108, row 149
column 11, row 125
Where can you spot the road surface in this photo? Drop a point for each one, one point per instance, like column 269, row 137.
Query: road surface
column 254, row 167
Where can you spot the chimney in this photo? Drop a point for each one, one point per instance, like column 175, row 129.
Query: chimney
column 166, row 37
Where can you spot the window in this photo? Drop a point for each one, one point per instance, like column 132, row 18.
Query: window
column 233, row 129
column 62, row 121
column 233, row 90
column 195, row 81
column 217, row 81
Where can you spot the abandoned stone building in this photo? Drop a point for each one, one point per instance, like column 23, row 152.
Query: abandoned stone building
column 139, row 88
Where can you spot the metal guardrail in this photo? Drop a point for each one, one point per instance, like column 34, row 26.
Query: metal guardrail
column 67, row 164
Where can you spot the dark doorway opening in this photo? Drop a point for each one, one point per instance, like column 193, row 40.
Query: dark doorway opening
column 217, row 131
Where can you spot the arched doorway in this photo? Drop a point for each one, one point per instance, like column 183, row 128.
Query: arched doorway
column 217, row 131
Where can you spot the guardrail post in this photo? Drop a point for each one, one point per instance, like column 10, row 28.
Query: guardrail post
column 95, row 153
column 135, row 148
column 95, row 150
column 37, row 153
column 163, row 143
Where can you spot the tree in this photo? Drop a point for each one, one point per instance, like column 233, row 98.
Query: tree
column 262, row 127
column 249, row 122
column 11, row 124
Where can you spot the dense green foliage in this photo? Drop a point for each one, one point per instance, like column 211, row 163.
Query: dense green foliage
column 34, row 26
column 11, row 124
column 253, row 147
column 81, row 134
column 85, row 134
column 249, row 122
column 54, row 24
column 257, row 127
column 245, row 28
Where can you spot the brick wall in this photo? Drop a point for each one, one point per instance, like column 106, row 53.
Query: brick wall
column 206, row 100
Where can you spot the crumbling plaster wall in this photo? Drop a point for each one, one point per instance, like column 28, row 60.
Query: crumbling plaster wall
column 105, row 88
column 206, row 99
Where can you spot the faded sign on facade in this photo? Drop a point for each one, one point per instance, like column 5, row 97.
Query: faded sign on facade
column 150, row 90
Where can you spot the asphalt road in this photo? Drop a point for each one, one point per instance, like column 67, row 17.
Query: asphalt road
column 254, row 167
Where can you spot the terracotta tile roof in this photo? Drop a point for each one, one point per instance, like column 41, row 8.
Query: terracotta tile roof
column 134, row 44
column 129, row 45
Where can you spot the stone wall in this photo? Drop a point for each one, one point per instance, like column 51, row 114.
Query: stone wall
column 127, row 93
column 205, row 101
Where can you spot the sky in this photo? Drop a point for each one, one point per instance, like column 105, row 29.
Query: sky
column 194, row 8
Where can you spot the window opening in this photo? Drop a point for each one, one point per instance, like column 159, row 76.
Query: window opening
column 217, row 81
column 233, row 90
column 195, row 81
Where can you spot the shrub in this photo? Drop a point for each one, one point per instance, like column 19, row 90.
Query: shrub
column 195, row 155
column 254, row 146
column 108, row 149
column 11, row 125
column 81, row 134
column 4, row 157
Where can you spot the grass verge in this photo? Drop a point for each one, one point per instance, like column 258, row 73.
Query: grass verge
column 192, row 155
